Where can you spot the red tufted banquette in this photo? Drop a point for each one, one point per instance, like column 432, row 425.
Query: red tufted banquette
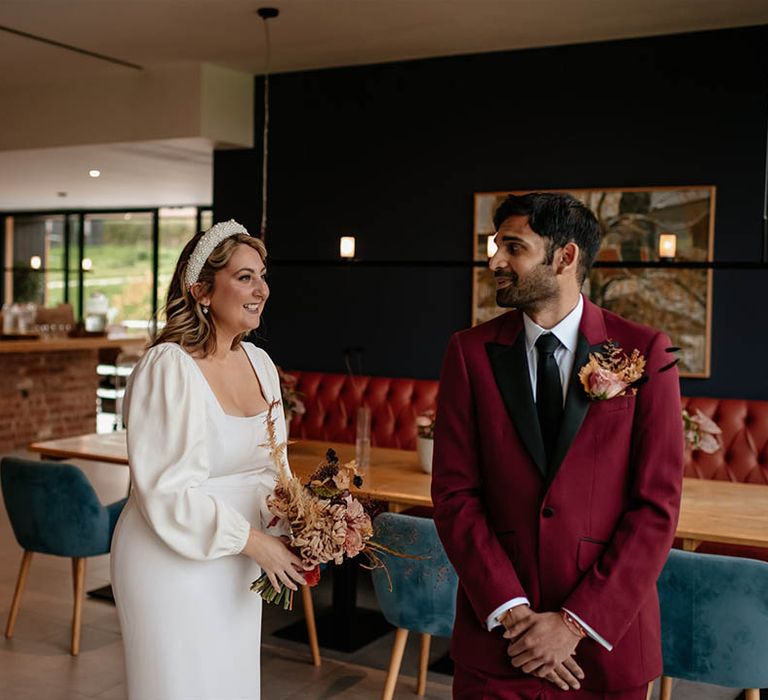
column 332, row 401
column 744, row 456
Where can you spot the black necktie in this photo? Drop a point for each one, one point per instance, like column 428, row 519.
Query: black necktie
column 549, row 391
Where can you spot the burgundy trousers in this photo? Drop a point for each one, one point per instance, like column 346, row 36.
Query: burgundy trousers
column 474, row 685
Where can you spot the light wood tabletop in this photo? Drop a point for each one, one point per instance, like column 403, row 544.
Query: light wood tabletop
column 394, row 476
column 711, row 511
column 69, row 344
column 723, row 511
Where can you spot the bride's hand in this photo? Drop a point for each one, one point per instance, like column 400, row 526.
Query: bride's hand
column 277, row 561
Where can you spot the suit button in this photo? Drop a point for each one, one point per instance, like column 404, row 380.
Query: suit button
column 548, row 512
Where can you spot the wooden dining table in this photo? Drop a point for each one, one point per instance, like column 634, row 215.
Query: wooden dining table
column 394, row 476
column 711, row 511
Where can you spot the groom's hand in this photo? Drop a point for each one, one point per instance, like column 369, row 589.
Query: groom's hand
column 542, row 645
column 519, row 618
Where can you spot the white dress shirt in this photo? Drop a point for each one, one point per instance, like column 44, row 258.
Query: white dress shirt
column 567, row 332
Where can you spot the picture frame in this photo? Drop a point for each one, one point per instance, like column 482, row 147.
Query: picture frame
column 632, row 220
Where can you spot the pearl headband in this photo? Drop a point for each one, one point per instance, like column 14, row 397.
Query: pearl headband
column 207, row 244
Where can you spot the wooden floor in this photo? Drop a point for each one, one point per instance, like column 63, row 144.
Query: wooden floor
column 36, row 665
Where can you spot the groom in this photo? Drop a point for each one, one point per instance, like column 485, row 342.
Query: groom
column 557, row 504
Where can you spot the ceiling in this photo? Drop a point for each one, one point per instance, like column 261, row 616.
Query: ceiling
column 308, row 34
column 144, row 174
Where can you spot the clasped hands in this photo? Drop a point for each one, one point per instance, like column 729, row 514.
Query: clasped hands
column 542, row 645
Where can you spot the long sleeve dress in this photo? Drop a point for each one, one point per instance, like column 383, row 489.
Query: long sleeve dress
column 199, row 481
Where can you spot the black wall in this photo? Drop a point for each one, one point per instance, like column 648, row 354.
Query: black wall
column 393, row 154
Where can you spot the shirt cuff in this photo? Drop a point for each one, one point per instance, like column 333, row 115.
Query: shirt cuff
column 492, row 621
column 594, row 635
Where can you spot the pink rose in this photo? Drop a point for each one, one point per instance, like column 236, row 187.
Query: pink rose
column 604, row 384
column 355, row 510
column 353, row 542
column 359, row 527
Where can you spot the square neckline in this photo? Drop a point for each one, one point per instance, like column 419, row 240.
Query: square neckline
column 213, row 393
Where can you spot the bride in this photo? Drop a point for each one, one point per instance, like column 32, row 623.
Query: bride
column 192, row 535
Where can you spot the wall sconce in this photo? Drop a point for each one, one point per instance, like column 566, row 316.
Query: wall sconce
column 667, row 246
column 490, row 245
column 87, row 264
column 347, row 246
column 35, row 262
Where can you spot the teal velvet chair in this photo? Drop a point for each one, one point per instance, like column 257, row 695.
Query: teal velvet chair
column 714, row 621
column 422, row 596
column 53, row 509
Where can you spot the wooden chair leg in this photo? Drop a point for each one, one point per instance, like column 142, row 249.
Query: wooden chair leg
column 421, row 685
column 752, row 693
column 21, row 582
column 78, row 581
column 401, row 637
column 666, row 688
column 649, row 694
column 309, row 616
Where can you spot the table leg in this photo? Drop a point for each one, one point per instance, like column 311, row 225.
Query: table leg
column 691, row 545
column 103, row 593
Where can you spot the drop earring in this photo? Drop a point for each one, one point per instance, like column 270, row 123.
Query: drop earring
column 205, row 309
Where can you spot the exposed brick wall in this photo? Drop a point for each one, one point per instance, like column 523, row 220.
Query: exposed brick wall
column 45, row 395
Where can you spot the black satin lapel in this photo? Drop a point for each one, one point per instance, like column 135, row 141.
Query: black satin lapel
column 510, row 368
column 576, row 407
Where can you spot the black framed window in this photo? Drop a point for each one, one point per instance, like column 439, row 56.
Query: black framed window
column 128, row 256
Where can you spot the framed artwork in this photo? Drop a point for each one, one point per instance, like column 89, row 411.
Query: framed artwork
column 635, row 222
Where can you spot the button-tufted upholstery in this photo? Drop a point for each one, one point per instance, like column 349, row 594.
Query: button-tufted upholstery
column 744, row 456
column 332, row 401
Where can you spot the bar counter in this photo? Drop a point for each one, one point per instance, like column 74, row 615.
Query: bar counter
column 48, row 386
column 67, row 344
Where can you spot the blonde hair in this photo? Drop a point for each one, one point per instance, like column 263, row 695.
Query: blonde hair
column 186, row 324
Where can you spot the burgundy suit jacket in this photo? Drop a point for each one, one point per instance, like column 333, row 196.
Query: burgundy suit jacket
column 592, row 532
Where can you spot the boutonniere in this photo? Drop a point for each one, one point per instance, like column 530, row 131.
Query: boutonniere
column 611, row 373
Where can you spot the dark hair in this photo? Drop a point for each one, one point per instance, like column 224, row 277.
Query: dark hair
column 558, row 217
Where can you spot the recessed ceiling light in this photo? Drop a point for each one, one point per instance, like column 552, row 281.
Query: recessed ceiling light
column 94, row 173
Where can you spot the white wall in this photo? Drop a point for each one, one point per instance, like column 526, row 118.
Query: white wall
column 175, row 101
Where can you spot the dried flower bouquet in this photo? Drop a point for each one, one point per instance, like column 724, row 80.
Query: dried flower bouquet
column 325, row 522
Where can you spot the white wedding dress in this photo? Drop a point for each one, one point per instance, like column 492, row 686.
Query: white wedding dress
column 191, row 626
